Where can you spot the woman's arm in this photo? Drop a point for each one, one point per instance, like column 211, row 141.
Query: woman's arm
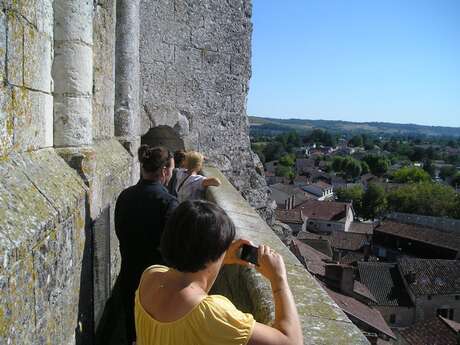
column 286, row 330
column 211, row 181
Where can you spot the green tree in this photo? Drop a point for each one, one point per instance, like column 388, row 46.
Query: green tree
column 287, row 160
column 356, row 141
column 352, row 168
column 364, row 168
column 337, row 163
column 377, row 164
column 425, row 198
column 354, row 195
column 429, row 167
column 455, row 182
column 284, row 171
column 411, row 175
column 374, row 202
column 273, row 151
column 446, row 172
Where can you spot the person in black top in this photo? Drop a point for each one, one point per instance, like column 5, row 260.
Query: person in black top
column 141, row 212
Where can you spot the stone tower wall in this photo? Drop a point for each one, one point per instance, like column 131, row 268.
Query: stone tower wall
column 195, row 68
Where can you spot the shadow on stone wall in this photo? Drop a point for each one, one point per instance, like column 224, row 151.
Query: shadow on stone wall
column 84, row 330
column 163, row 136
column 111, row 327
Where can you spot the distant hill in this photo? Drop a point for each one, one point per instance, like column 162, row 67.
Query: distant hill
column 269, row 126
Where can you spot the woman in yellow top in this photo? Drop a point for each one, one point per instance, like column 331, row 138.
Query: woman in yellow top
column 172, row 305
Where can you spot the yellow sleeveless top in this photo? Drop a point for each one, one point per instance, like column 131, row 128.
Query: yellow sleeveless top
column 215, row 320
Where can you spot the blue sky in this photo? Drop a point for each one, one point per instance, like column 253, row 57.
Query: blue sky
column 357, row 60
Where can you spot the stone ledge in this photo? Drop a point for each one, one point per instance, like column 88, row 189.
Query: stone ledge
column 38, row 190
column 323, row 322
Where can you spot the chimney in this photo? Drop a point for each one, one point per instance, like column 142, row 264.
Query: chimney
column 341, row 277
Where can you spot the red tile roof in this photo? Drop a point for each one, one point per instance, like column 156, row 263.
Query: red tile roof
column 324, row 210
column 430, row 332
column 360, row 311
column 289, row 216
column 314, row 260
column 337, row 239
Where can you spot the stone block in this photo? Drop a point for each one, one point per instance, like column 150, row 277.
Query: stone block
column 17, row 317
column 73, row 21
column 157, row 51
column 203, row 38
column 15, row 48
column 73, row 69
column 37, row 60
column 3, row 25
column 72, row 121
column 20, row 222
column 57, row 261
column 216, row 62
column 104, row 77
column 177, row 34
column 45, row 17
column 6, row 124
column 48, row 175
column 32, row 114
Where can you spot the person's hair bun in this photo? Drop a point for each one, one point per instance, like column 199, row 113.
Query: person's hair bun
column 153, row 158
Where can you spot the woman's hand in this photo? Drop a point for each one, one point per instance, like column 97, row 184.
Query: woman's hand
column 231, row 257
column 271, row 266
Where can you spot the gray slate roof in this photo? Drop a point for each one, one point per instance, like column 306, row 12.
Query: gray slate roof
column 384, row 281
column 432, row 276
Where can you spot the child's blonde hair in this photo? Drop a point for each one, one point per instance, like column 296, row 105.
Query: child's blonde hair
column 193, row 161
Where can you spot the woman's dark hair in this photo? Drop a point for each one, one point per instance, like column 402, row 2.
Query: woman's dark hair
column 154, row 158
column 198, row 232
column 179, row 157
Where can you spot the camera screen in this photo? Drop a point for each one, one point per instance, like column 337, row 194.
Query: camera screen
column 249, row 254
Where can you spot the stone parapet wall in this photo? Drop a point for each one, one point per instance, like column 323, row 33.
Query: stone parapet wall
column 323, row 322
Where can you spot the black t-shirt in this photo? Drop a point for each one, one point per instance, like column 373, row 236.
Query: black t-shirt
column 141, row 213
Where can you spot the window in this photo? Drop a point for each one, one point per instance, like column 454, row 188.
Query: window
column 392, row 318
column 329, row 225
column 457, row 297
column 429, row 297
column 446, row 312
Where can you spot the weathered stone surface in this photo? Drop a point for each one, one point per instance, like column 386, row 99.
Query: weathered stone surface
column 127, row 87
column 58, row 263
column 73, row 69
column 104, row 69
column 72, row 20
column 72, row 121
column 42, row 219
column 6, row 124
column 39, row 13
column 3, row 25
column 37, row 60
column 323, row 322
column 195, row 60
column 31, row 112
column 15, row 49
